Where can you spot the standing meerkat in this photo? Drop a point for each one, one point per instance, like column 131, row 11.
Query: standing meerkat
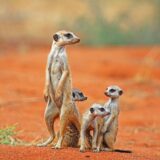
column 58, row 88
column 92, row 120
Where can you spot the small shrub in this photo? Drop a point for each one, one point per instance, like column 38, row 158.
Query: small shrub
column 6, row 135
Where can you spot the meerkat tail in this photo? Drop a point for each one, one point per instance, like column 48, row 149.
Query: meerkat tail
column 122, row 151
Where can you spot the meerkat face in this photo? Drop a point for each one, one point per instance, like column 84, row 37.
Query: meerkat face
column 113, row 91
column 98, row 110
column 63, row 38
column 77, row 95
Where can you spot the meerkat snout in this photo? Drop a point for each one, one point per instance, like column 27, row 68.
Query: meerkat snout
column 113, row 91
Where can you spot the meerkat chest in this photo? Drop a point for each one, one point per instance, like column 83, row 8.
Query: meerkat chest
column 113, row 109
column 93, row 124
column 57, row 65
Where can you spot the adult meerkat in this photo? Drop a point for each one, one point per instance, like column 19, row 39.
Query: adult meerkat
column 58, row 88
column 92, row 120
column 71, row 137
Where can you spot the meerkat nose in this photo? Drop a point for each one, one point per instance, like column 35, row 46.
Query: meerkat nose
column 78, row 39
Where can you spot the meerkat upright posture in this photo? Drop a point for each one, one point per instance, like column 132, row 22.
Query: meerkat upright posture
column 58, row 88
column 108, row 133
column 92, row 120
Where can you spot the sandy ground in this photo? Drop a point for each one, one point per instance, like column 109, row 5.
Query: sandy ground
column 135, row 69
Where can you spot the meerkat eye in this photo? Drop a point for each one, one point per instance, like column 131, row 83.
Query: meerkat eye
column 112, row 90
column 68, row 35
column 73, row 94
column 102, row 109
column 120, row 92
column 91, row 110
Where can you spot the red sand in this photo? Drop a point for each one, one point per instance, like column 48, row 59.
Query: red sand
column 22, row 77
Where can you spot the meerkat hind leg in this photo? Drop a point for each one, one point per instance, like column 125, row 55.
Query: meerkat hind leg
column 109, row 139
column 51, row 113
column 64, row 121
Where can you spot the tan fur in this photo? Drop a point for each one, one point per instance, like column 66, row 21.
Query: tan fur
column 108, row 133
column 58, row 91
column 92, row 121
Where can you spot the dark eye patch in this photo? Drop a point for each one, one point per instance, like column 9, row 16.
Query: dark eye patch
column 73, row 94
column 68, row 35
column 102, row 109
column 91, row 110
column 81, row 94
column 112, row 90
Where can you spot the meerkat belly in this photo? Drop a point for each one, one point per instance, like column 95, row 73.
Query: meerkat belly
column 92, row 125
column 56, row 73
column 114, row 126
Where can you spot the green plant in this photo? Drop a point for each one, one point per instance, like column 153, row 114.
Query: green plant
column 6, row 135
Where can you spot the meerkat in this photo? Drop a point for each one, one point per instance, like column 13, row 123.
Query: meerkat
column 92, row 120
column 71, row 131
column 110, row 127
column 108, row 133
column 58, row 88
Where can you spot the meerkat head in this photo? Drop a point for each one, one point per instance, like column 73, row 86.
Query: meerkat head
column 78, row 95
column 98, row 110
column 63, row 38
column 113, row 91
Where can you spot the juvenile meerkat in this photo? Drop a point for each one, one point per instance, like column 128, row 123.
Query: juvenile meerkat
column 110, row 127
column 58, row 88
column 108, row 133
column 71, row 137
column 91, row 120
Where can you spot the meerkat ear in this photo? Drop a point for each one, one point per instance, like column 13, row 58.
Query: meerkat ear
column 91, row 110
column 55, row 37
column 120, row 92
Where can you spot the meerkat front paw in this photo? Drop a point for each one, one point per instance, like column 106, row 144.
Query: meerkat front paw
column 58, row 94
column 45, row 95
column 103, row 130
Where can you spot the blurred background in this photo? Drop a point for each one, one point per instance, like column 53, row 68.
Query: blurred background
column 102, row 22
column 120, row 44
